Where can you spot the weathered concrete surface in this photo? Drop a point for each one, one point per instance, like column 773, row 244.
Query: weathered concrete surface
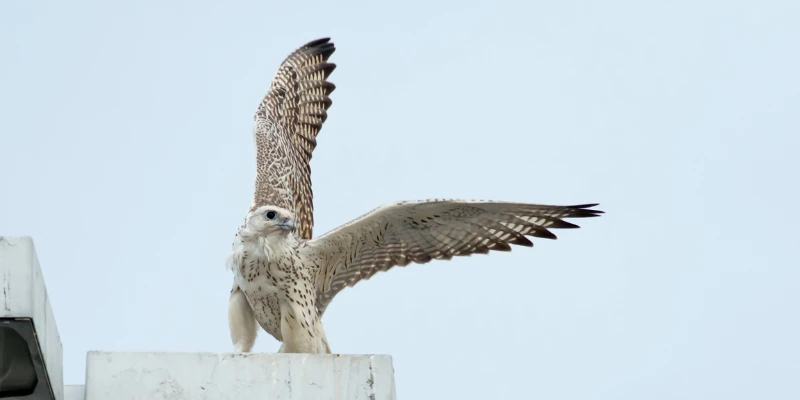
column 23, row 294
column 73, row 392
column 212, row 376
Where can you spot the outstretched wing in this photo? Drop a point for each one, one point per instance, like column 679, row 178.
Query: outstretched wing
column 285, row 130
column 419, row 231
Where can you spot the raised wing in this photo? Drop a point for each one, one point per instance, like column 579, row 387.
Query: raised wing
column 285, row 130
column 419, row 231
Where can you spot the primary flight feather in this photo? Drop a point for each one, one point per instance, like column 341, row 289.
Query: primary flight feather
column 284, row 280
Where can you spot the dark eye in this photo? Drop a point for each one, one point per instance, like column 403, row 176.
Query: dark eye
column 270, row 214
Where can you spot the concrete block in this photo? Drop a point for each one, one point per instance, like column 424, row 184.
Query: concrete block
column 24, row 295
column 212, row 376
column 73, row 392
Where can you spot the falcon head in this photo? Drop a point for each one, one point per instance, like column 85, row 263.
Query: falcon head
column 271, row 220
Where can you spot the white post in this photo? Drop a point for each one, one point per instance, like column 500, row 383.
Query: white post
column 189, row 376
column 213, row 376
column 23, row 297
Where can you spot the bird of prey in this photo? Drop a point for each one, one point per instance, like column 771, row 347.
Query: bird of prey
column 284, row 279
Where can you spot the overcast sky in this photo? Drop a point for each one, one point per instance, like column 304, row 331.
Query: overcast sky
column 127, row 155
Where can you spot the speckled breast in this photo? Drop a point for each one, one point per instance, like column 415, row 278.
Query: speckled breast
column 258, row 286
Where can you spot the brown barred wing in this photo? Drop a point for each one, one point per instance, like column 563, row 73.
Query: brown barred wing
column 285, row 131
column 420, row 231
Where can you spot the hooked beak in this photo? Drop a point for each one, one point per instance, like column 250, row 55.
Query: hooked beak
column 287, row 225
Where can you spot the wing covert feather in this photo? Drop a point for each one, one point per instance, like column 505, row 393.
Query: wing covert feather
column 285, row 130
column 401, row 233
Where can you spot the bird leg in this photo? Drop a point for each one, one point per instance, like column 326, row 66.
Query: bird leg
column 241, row 321
column 301, row 327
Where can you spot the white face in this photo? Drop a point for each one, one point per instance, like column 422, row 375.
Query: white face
column 269, row 220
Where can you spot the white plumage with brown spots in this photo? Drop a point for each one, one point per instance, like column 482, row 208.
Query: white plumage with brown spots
column 284, row 280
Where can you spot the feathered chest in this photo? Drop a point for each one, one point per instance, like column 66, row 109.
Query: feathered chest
column 259, row 264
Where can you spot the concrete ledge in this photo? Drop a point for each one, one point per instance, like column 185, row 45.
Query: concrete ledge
column 212, row 376
column 74, row 392
column 23, row 295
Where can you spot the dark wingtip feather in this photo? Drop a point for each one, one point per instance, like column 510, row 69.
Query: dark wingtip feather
column 561, row 224
column 326, row 68
column 317, row 42
column 542, row 233
column 588, row 205
column 422, row 258
column 326, row 51
column 583, row 211
column 318, row 47
column 501, row 246
column 522, row 241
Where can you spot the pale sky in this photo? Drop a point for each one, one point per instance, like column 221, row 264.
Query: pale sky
column 127, row 155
